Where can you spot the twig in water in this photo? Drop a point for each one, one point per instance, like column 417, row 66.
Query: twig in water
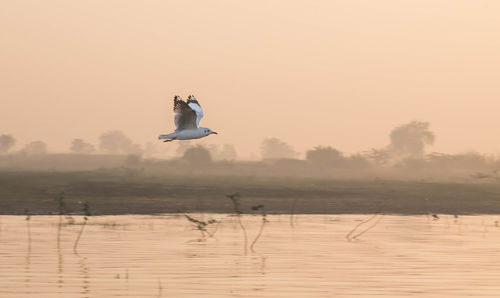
column 61, row 210
column 202, row 225
column 358, row 225
column 86, row 212
column 160, row 288
column 236, row 205
column 264, row 221
column 28, row 217
column 369, row 228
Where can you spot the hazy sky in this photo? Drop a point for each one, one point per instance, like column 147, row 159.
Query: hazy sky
column 339, row 73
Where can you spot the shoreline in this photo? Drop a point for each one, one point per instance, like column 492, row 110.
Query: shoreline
column 108, row 194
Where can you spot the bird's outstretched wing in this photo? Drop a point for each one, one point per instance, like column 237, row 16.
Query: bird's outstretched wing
column 195, row 106
column 185, row 116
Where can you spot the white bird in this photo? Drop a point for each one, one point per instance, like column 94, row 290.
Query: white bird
column 187, row 121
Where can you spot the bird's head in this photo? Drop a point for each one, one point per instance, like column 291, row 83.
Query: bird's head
column 208, row 131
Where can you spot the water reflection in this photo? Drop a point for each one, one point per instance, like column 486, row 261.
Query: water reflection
column 160, row 288
column 27, row 264
column 84, row 274
column 60, row 259
column 161, row 256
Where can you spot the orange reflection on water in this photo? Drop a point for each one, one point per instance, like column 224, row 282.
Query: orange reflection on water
column 162, row 256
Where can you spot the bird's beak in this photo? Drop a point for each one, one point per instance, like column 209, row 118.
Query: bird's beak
column 214, row 133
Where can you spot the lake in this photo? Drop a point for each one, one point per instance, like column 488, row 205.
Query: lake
column 309, row 256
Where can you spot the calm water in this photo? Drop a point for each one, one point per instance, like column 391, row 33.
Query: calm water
column 161, row 256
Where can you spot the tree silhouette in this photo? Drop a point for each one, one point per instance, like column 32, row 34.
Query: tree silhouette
column 182, row 147
column 116, row 142
column 273, row 148
column 409, row 140
column 154, row 149
column 35, row 147
column 80, row 146
column 197, row 155
column 228, row 152
column 325, row 156
column 6, row 142
column 378, row 156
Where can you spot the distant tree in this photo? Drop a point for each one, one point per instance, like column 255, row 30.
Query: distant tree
column 228, row 152
column 197, row 155
column 214, row 150
column 357, row 161
column 80, row 146
column 440, row 159
column 35, row 147
column 378, row 156
column 182, row 147
column 132, row 160
column 154, row 149
column 116, row 142
column 325, row 156
column 409, row 140
column 409, row 164
column 288, row 165
column 6, row 143
column 468, row 160
column 272, row 148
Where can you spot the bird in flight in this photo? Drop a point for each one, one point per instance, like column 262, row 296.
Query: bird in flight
column 187, row 121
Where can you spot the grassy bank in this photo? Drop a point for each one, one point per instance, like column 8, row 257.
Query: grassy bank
column 118, row 192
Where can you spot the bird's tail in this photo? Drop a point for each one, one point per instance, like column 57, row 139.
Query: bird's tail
column 163, row 137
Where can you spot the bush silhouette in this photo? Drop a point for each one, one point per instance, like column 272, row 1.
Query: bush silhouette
column 197, row 155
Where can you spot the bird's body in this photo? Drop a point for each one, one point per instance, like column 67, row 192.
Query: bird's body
column 186, row 134
column 187, row 119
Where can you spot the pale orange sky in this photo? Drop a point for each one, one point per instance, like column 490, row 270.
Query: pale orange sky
column 338, row 73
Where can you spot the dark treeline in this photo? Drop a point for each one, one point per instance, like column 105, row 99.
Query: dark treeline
column 404, row 157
